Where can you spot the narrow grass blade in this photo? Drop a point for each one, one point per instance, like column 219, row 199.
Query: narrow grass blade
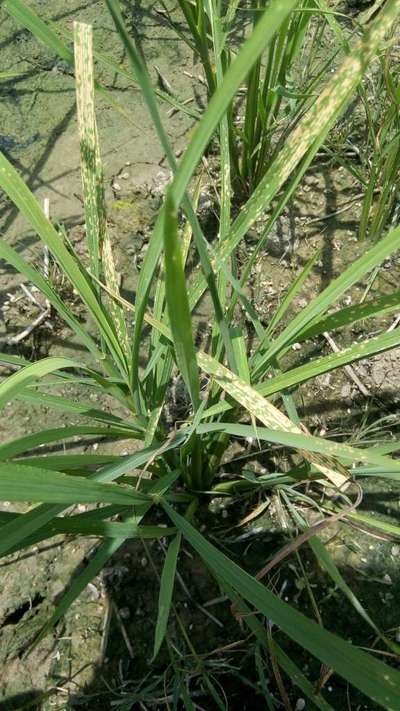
column 138, row 459
column 92, row 530
column 227, row 248
column 166, row 591
column 24, row 16
column 79, row 463
column 11, row 359
column 297, row 676
column 301, row 441
column 78, row 585
column 291, row 294
column 379, row 681
column 44, row 32
column 268, row 414
column 155, row 245
column 365, row 349
column 24, row 444
column 161, row 363
column 58, row 402
column 287, row 664
column 108, row 529
column 91, row 379
column 22, row 197
column 263, row 682
column 10, row 255
column 106, row 386
column 178, row 307
column 213, row 11
column 141, row 76
column 239, row 347
column 22, row 527
column 90, row 169
column 16, row 382
column 327, row 563
column 99, row 244
column 19, row 482
column 375, row 524
column 381, row 306
column 77, row 525
column 321, row 303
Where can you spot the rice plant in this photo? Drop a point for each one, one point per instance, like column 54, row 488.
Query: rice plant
column 382, row 150
column 373, row 140
column 233, row 392
column 280, row 85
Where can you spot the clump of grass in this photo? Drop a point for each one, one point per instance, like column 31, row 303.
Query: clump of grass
column 366, row 143
column 280, row 85
column 229, row 386
column 382, row 150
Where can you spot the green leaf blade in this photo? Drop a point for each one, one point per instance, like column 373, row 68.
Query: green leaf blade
column 178, row 306
column 166, row 592
column 20, row 482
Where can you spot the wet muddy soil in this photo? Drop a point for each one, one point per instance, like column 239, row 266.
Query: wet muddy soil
column 101, row 652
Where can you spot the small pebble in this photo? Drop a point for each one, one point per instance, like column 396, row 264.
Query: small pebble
column 93, row 591
column 346, row 390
